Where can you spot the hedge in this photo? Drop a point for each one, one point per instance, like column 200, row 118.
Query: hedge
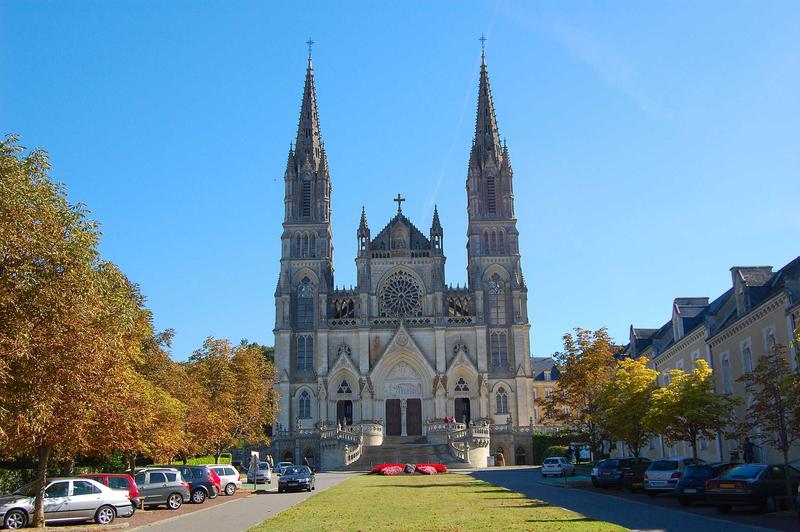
column 555, row 450
column 11, row 479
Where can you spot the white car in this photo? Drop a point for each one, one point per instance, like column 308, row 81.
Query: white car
column 281, row 466
column 228, row 476
column 558, row 467
column 663, row 475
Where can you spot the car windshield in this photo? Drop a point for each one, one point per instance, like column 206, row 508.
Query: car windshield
column 551, row 460
column 293, row 471
column 263, row 465
column 744, row 471
column 28, row 490
column 698, row 472
column 609, row 463
column 664, row 465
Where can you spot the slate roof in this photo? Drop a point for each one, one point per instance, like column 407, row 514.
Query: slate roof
column 417, row 240
column 541, row 364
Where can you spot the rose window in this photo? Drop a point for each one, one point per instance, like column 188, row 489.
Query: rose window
column 401, row 296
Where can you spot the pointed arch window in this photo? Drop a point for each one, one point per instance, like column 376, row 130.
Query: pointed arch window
column 501, row 400
column 305, row 305
column 304, row 405
column 498, row 346
column 305, row 353
column 461, row 385
column 306, row 200
column 344, row 387
column 497, row 301
column 486, row 250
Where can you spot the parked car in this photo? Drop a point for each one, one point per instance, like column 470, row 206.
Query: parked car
column 751, row 485
column 594, row 472
column 633, row 477
column 662, row 476
column 118, row 481
column 66, row 499
column 797, row 501
column 203, row 482
column 263, row 473
column 692, row 485
column 229, row 478
column 612, row 471
column 162, row 485
column 281, row 466
column 299, row 478
column 557, row 466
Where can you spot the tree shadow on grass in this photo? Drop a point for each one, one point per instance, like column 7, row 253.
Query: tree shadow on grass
column 571, row 520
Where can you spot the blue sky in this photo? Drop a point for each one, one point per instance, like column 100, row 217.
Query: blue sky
column 654, row 144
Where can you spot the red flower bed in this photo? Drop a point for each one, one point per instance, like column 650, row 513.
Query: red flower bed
column 426, row 470
column 391, row 470
column 440, row 468
column 381, row 467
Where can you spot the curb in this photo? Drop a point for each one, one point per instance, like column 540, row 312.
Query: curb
column 84, row 528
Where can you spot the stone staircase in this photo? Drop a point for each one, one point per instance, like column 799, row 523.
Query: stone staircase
column 405, row 450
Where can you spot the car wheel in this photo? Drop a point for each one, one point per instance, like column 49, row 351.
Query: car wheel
column 280, row 490
column 104, row 515
column 684, row 501
column 230, row 489
column 15, row 519
column 198, row 496
column 174, row 501
column 724, row 508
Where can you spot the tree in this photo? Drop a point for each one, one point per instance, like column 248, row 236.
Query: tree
column 626, row 401
column 772, row 415
column 268, row 352
column 63, row 318
column 688, row 407
column 238, row 384
column 586, row 366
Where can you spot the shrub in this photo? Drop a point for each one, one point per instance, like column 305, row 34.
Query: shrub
column 392, row 470
column 440, row 468
column 426, row 470
column 555, row 451
column 380, row 467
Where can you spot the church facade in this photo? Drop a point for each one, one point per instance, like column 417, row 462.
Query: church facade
column 403, row 348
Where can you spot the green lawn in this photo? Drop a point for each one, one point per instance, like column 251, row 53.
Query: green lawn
column 419, row 502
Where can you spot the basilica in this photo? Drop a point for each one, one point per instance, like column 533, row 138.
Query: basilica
column 404, row 353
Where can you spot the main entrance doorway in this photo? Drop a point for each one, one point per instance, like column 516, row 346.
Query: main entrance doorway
column 393, row 417
column 462, row 411
column 344, row 412
column 414, row 417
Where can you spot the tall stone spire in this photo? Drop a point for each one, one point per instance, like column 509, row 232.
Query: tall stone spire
column 486, row 146
column 309, row 136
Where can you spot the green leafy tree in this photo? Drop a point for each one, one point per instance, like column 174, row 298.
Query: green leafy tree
column 772, row 416
column 626, row 401
column 586, row 366
column 688, row 407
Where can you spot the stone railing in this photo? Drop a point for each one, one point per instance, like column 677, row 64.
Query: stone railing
column 352, row 454
column 341, row 435
column 458, row 450
column 460, row 320
column 342, row 323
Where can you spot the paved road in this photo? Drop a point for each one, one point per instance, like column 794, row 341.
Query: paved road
column 240, row 515
column 630, row 513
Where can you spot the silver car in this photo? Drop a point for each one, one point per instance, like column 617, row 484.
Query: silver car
column 263, row 474
column 65, row 499
column 162, row 485
column 663, row 475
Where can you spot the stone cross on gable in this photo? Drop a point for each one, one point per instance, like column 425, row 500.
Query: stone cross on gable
column 399, row 199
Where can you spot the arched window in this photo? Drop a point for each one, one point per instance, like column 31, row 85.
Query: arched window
column 486, row 243
column 344, row 387
column 305, row 353
column 298, row 249
column 494, row 243
column 461, row 385
column 497, row 301
column 312, row 246
column 305, row 305
column 502, row 401
column 501, row 242
column 304, row 406
column 498, row 346
column 305, row 245
column 306, row 200
column 491, row 197
column 747, row 359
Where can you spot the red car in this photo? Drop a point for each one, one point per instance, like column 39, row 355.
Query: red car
column 118, row 481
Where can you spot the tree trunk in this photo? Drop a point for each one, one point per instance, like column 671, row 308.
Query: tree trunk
column 216, row 457
column 786, row 477
column 694, row 450
column 68, row 468
column 43, row 456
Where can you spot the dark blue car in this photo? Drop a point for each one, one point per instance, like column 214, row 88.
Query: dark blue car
column 611, row 472
column 691, row 487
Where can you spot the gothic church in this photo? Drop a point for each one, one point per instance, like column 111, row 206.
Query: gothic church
column 404, row 349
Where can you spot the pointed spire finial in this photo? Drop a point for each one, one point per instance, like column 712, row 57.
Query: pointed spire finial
column 483, row 40
column 310, row 42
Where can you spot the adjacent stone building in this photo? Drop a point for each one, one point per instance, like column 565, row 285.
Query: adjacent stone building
column 761, row 309
column 403, row 348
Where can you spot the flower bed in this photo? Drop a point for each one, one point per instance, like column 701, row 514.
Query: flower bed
column 440, row 468
column 394, row 469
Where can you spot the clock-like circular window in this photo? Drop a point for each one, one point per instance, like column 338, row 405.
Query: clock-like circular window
column 401, row 296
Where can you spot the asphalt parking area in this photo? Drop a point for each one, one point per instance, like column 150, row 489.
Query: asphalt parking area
column 161, row 513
